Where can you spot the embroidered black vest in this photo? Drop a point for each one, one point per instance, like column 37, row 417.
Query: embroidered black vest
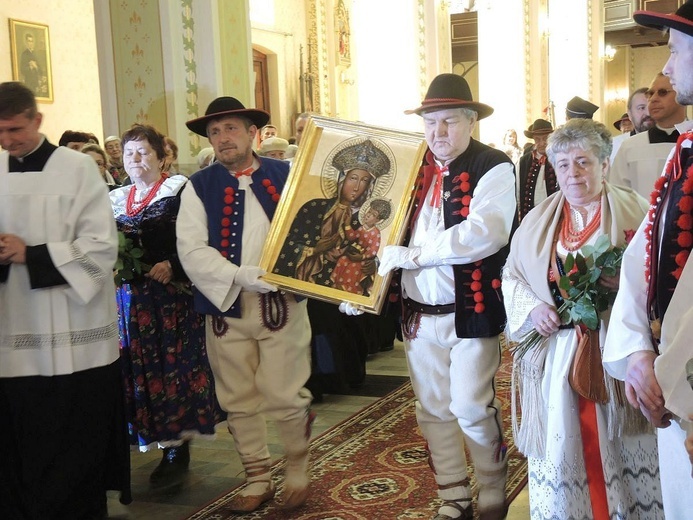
column 527, row 177
column 677, row 238
column 479, row 310
column 224, row 204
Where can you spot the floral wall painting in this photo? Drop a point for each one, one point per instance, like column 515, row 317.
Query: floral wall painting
column 31, row 58
column 348, row 196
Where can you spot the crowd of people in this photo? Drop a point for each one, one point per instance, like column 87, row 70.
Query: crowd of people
column 191, row 335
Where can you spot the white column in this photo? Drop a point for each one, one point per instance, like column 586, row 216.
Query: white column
column 575, row 48
column 508, row 81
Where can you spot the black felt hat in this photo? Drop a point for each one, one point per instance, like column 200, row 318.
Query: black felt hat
column 681, row 20
column 450, row 91
column 578, row 108
column 540, row 126
column 227, row 106
column 624, row 117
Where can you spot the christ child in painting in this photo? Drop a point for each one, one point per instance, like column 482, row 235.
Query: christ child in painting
column 349, row 273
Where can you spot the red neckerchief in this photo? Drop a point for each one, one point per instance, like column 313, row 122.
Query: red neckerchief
column 438, row 185
column 248, row 171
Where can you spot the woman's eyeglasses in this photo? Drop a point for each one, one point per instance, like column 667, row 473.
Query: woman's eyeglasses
column 661, row 92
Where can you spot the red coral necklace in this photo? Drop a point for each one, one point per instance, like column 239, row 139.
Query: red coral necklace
column 573, row 240
column 132, row 208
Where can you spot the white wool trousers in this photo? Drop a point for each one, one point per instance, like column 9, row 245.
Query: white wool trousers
column 260, row 372
column 453, row 380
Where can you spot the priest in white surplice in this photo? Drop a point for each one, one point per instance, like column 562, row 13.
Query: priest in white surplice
column 63, row 431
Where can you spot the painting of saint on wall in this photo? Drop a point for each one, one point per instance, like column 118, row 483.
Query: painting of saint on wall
column 31, row 58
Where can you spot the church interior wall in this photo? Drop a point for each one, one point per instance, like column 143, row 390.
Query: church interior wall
column 74, row 62
column 185, row 55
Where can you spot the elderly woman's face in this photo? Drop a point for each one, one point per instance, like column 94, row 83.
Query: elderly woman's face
column 580, row 175
column 356, row 182
column 140, row 161
column 113, row 150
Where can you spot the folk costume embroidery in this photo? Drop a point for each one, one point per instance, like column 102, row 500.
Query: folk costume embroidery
column 666, row 259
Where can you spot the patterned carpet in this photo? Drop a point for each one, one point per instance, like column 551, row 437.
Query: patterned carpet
column 373, row 465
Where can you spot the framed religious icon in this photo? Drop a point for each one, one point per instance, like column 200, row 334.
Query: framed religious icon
column 348, row 196
column 31, row 58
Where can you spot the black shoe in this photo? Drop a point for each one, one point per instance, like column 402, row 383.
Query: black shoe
column 173, row 466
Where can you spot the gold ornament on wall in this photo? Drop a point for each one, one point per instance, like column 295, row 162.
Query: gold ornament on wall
column 343, row 29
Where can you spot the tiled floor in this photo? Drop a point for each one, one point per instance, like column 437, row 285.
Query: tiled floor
column 215, row 467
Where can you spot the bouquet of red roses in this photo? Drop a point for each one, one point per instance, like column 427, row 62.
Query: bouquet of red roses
column 586, row 297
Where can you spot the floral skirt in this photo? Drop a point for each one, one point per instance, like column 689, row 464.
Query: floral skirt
column 169, row 387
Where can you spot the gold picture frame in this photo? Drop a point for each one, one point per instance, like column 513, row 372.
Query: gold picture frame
column 31, row 58
column 348, row 195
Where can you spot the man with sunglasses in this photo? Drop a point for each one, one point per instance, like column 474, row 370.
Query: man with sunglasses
column 640, row 159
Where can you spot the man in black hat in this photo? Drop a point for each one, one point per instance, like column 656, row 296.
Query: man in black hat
column 640, row 159
column 536, row 177
column 649, row 339
column 257, row 338
column 578, row 108
column 459, row 234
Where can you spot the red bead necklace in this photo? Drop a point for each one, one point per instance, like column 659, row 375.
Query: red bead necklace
column 573, row 240
column 132, row 208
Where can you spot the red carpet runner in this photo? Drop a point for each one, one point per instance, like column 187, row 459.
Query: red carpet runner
column 373, row 465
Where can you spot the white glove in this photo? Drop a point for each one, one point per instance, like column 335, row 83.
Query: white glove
column 395, row 257
column 349, row 309
column 248, row 277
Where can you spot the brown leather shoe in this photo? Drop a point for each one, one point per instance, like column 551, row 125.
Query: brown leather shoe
column 248, row 503
column 293, row 498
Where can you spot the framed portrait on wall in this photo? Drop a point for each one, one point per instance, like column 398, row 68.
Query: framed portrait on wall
column 347, row 197
column 31, row 58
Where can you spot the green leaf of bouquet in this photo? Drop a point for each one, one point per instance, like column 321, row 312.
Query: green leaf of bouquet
column 569, row 262
column 581, row 264
column 136, row 252
column 602, row 244
column 595, row 274
column 564, row 283
column 587, row 250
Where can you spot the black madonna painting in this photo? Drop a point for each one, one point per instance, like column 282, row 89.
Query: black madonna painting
column 347, row 197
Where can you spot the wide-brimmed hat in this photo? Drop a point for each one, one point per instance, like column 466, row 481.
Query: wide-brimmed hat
column 681, row 20
column 227, row 106
column 617, row 124
column 578, row 108
column 540, row 126
column 450, row 91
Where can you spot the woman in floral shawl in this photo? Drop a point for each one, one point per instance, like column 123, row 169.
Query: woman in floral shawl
column 587, row 459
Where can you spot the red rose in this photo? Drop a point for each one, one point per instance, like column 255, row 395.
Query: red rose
column 628, row 235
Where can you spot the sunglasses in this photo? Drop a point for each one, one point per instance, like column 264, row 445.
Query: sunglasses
column 661, row 92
